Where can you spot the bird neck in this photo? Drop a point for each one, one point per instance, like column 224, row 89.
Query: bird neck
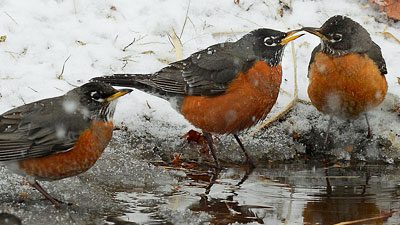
column 325, row 48
column 106, row 112
column 273, row 58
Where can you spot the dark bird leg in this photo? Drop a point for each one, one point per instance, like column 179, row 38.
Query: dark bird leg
column 57, row 203
column 365, row 186
column 369, row 134
column 213, row 179
column 210, row 143
column 249, row 171
column 328, row 183
column 249, row 161
column 327, row 131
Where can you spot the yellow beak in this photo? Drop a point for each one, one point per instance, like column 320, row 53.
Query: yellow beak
column 120, row 93
column 290, row 37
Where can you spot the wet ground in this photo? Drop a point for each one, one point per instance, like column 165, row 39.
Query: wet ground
column 154, row 176
column 277, row 194
column 306, row 193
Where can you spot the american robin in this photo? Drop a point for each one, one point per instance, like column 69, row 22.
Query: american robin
column 346, row 71
column 223, row 89
column 59, row 137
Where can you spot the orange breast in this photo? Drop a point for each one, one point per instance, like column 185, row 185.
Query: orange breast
column 84, row 154
column 345, row 86
column 248, row 99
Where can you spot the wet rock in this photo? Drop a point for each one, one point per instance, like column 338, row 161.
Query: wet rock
column 9, row 219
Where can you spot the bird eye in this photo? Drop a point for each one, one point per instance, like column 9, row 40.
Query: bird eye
column 268, row 41
column 336, row 37
column 95, row 95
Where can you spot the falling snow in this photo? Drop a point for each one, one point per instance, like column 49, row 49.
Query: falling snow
column 94, row 37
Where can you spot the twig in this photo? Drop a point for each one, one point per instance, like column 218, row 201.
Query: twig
column 303, row 101
column 243, row 18
column 73, row 85
column 194, row 26
column 186, row 18
column 281, row 114
column 59, row 89
column 124, row 49
column 148, row 105
column 60, row 76
column 22, row 99
column 12, row 55
column 170, row 40
column 134, row 40
column 33, row 89
column 296, row 88
column 17, row 55
column 381, row 217
column 126, row 60
column 11, row 17
column 291, row 104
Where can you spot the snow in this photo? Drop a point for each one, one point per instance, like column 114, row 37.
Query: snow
column 70, row 106
column 96, row 38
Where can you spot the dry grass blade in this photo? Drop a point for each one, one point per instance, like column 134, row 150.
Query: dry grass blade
column 389, row 35
column 186, row 18
column 291, row 104
column 11, row 18
column 176, row 42
column 303, row 101
column 363, row 221
column 60, row 76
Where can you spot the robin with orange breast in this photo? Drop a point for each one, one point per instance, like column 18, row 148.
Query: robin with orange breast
column 59, row 137
column 223, row 89
column 346, row 71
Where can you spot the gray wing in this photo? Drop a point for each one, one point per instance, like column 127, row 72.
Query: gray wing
column 376, row 55
column 207, row 72
column 39, row 129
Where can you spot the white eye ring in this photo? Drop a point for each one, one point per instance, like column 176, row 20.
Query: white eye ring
column 268, row 39
column 93, row 93
column 336, row 37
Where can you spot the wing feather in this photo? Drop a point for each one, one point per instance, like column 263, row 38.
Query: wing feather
column 32, row 130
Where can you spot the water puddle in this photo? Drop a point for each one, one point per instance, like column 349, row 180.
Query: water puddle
column 279, row 194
